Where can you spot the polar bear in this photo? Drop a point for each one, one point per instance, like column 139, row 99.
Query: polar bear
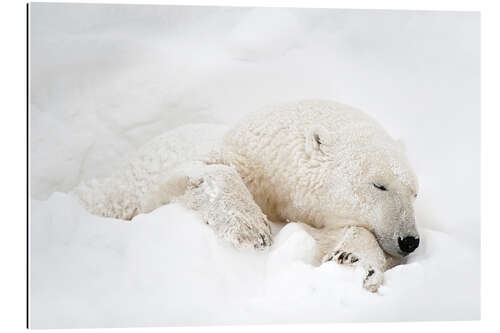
column 323, row 164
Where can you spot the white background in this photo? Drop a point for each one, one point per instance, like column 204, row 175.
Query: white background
column 484, row 129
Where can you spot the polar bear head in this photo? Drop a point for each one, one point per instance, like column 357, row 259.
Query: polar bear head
column 366, row 178
column 324, row 163
column 377, row 190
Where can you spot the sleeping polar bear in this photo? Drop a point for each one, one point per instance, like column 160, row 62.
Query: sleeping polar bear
column 323, row 164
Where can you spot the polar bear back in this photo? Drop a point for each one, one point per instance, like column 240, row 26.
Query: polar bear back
column 122, row 194
column 194, row 142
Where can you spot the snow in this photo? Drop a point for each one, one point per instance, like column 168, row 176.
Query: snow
column 106, row 79
column 168, row 268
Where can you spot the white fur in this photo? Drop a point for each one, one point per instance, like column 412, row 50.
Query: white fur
column 311, row 161
column 331, row 184
column 127, row 192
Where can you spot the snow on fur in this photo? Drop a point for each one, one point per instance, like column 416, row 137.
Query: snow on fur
column 312, row 161
column 315, row 162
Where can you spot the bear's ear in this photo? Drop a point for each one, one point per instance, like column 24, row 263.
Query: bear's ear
column 316, row 139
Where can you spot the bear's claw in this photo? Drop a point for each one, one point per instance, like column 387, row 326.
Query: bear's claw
column 341, row 257
column 373, row 280
column 244, row 235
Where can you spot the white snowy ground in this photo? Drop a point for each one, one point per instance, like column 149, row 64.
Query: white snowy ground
column 106, row 79
column 168, row 268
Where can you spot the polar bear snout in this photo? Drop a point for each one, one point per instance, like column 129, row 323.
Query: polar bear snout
column 408, row 244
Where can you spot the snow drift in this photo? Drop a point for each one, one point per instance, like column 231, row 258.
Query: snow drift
column 105, row 79
column 168, row 268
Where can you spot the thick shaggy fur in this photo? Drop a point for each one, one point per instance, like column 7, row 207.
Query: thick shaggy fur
column 127, row 192
column 321, row 163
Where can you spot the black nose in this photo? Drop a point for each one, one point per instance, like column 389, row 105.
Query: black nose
column 408, row 244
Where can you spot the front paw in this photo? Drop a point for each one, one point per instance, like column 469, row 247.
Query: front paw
column 341, row 257
column 247, row 235
column 373, row 280
column 257, row 238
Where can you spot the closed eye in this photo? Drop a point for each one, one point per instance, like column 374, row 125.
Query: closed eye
column 380, row 187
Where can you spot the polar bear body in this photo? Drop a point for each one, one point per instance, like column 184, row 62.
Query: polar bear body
column 318, row 162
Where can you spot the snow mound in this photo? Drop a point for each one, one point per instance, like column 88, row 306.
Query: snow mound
column 167, row 268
